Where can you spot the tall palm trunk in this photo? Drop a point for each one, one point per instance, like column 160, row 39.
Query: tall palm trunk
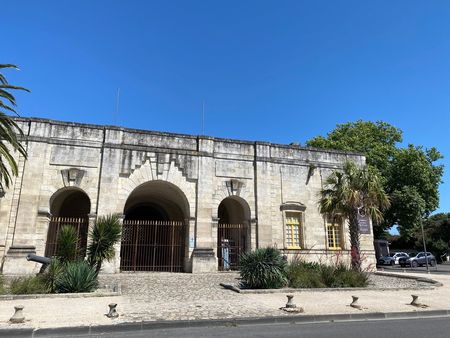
column 355, row 240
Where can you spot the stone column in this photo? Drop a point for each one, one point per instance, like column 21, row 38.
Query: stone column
column 113, row 266
column 203, row 256
column 42, row 224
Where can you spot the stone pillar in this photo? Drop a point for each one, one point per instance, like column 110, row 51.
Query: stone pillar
column 92, row 219
column 203, row 256
column 42, row 224
column 253, row 227
column 113, row 266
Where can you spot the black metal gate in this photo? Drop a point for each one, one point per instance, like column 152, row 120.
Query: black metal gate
column 231, row 239
column 152, row 246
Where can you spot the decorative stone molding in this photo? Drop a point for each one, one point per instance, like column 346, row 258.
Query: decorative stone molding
column 72, row 177
column 292, row 206
column 234, row 187
column 44, row 212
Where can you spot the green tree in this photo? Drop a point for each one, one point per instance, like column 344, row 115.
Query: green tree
column 376, row 140
column 410, row 176
column 10, row 132
column 104, row 235
column 437, row 234
column 351, row 192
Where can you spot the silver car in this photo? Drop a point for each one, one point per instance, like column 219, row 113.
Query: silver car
column 392, row 259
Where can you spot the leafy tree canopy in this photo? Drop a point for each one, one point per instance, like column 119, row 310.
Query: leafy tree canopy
column 410, row 175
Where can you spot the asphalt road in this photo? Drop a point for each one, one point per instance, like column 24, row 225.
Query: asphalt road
column 410, row 328
column 443, row 269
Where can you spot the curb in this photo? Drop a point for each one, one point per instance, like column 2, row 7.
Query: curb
column 232, row 322
column 432, row 282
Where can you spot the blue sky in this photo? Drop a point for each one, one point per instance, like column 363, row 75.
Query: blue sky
column 279, row 71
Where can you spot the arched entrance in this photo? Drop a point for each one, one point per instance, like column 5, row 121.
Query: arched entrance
column 68, row 207
column 154, row 228
column 233, row 232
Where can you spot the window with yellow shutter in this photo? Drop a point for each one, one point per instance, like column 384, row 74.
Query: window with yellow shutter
column 293, row 230
column 334, row 233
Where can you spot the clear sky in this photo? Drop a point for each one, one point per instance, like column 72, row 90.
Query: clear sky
column 278, row 71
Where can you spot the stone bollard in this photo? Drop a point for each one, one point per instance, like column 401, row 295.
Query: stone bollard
column 18, row 316
column 112, row 311
column 414, row 300
column 354, row 303
column 290, row 304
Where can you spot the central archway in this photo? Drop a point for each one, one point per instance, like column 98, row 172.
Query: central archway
column 154, row 228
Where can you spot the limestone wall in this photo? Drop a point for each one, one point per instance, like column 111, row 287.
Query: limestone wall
column 111, row 162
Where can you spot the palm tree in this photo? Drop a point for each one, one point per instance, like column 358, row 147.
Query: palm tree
column 9, row 131
column 104, row 235
column 351, row 192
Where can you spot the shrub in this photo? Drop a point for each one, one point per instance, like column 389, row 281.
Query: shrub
column 66, row 250
column 105, row 234
column 52, row 274
column 304, row 275
column 315, row 275
column 77, row 277
column 263, row 269
column 27, row 285
column 2, row 285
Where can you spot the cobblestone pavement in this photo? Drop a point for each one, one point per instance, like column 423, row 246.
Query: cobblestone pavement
column 185, row 297
column 167, row 296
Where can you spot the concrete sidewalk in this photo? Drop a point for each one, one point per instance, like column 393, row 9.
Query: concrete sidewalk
column 163, row 297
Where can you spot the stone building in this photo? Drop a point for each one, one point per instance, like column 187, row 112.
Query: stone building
column 186, row 203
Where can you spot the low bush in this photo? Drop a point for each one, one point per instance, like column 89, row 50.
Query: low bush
column 27, row 285
column 52, row 274
column 314, row 275
column 263, row 268
column 2, row 286
column 77, row 277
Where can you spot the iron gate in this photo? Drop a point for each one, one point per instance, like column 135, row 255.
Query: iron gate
column 152, row 246
column 56, row 223
column 231, row 240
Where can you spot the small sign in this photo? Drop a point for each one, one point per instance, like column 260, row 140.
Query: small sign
column 364, row 224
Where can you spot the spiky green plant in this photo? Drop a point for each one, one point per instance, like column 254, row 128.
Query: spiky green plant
column 66, row 249
column 52, row 274
column 77, row 277
column 264, row 268
column 104, row 235
column 10, row 132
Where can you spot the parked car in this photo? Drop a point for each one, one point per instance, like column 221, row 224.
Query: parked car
column 418, row 260
column 392, row 259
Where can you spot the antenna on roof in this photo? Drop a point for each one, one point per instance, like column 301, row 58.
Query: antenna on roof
column 116, row 115
column 203, row 117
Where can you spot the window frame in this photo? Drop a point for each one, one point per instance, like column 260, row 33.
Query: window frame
column 337, row 226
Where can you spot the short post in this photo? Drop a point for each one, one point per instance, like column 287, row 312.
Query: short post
column 112, row 311
column 18, row 316
column 290, row 304
column 414, row 300
column 354, row 303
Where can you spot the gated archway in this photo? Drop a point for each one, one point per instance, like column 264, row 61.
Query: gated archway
column 233, row 237
column 154, row 228
column 68, row 207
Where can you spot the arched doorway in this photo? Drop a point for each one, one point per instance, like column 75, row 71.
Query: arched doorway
column 154, row 228
column 233, row 232
column 68, row 207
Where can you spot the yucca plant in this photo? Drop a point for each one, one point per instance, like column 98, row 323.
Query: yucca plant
column 66, row 250
column 77, row 277
column 263, row 268
column 104, row 235
column 52, row 274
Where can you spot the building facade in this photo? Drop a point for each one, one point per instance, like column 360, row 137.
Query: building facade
column 186, row 203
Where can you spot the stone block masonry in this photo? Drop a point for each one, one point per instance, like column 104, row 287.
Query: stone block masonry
column 187, row 203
